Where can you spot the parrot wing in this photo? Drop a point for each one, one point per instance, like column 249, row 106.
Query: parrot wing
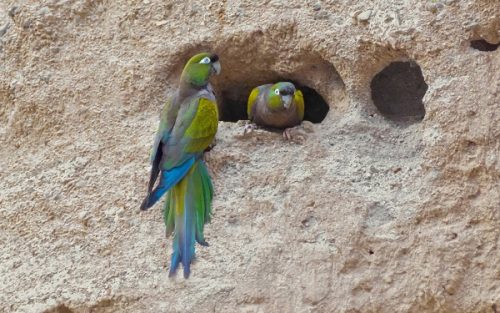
column 167, row 120
column 298, row 97
column 194, row 129
column 251, row 101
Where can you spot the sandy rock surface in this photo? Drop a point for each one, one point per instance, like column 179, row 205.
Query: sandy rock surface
column 371, row 213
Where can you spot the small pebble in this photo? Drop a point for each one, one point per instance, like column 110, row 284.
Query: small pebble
column 364, row 16
column 44, row 11
column 396, row 169
column 82, row 215
column 322, row 15
column 160, row 23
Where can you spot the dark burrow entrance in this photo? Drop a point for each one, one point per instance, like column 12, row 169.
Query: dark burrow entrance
column 483, row 45
column 233, row 101
column 397, row 91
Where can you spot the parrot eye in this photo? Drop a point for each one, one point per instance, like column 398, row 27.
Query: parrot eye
column 205, row 60
column 277, row 92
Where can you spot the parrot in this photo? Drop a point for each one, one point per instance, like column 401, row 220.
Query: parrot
column 188, row 124
column 278, row 105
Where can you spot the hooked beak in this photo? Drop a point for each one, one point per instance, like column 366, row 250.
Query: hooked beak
column 287, row 101
column 216, row 68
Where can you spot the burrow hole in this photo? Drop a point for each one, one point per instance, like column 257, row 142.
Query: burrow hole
column 317, row 78
column 242, row 71
column 398, row 90
column 483, row 45
column 233, row 100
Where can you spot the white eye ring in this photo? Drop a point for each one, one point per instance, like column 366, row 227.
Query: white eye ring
column 205, row 60
column 277, row 92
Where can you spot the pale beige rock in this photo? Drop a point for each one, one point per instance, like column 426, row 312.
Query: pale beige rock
column 364, row 16
column 297, row 227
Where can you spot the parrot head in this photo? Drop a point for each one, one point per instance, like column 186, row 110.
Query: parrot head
column 281, row 95
column 199, row 68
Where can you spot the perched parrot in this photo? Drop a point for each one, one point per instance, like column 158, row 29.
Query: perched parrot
column 188, row 124
column 278, row 106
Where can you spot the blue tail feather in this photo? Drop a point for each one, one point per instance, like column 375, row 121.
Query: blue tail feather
column 168, row 179
column 174, row 261
column 194, row 192
column 189, row 233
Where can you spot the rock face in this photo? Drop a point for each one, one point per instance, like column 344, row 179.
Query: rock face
column 392, row 204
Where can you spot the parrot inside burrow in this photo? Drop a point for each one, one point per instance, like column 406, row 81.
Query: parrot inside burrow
column 279, row 105
column 188, row 123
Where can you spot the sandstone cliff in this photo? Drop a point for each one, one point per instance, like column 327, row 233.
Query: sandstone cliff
column 391, row 204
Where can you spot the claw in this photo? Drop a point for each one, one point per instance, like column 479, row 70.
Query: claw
column 250, row 127
column 286, row 134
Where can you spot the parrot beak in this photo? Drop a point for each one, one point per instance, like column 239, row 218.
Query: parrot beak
column 216, row 68
column 287, row 101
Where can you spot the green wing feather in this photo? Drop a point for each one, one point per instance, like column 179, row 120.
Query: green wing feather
column 193, row 132
column 298, row 97
column 203, row 193
column 203, row 128
column 169, row 213
column 251, row 101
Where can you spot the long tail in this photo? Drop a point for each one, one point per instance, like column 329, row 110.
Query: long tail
column 187, row 209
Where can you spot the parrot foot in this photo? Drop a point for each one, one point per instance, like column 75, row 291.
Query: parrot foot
column 250, row 127
column 298, row 133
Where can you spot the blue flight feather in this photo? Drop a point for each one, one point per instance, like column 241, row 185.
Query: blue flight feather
column 168, row 179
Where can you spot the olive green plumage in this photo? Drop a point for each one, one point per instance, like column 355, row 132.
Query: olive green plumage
column 278, row 105
column 188, row 125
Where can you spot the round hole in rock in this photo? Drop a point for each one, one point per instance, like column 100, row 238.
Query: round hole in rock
column 233, row 101
column 483, row 45
column 397, row 91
